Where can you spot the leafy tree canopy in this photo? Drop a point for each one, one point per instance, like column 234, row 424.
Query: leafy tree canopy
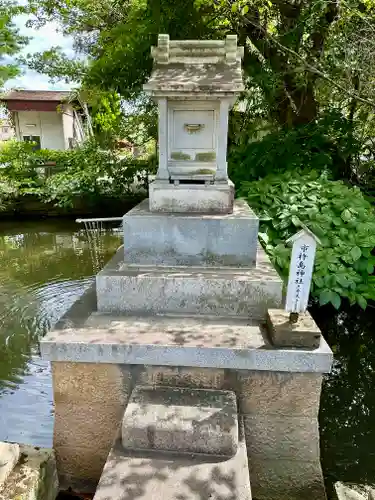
column 299, row 54
column 10, row 40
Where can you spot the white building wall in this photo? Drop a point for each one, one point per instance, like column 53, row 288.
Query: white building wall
column 68, row 122
column 48, row 125
column 52, row 130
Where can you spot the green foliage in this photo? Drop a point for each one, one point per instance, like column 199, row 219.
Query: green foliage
column 341, row 218
column 324, row 144
column 106, row 118
column 11, row 41
column 18, row 175
column 88, row 174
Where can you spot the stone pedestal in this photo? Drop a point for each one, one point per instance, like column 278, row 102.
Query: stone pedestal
column 179, row 197
column 175, row 239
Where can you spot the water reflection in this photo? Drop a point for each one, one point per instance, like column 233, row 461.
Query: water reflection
column 347, row 416
column 45, row 267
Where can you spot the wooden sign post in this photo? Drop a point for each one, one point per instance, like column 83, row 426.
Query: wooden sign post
column 300, row 272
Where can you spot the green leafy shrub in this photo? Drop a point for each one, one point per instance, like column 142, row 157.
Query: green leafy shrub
column 88, row 174
column 325, row 144
column 339, row 215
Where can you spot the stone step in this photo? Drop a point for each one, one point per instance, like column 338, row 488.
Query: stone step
column 181, row 420
column 221, row 291
column 189, row 239
column 159, row 475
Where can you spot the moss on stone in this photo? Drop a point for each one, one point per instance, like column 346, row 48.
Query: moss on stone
column 205, row 171
column 208, row 156
column 178, row 155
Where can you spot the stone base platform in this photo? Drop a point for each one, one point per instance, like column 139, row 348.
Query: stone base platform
column 170, row 476
column 178, row 340
column 221, row 291
column 98, row 359
column 174, row 239
column 208, row 198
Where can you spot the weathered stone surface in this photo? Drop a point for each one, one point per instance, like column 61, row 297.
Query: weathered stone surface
column 279, row 393
column 185, row 420
column 272, row 437
column 188, row 239
column 169, row 476
column 33, row 478
column 89, row 404
column 304, row 333
column 219, row 291
column 78, row 424
column 191, row 198
column 80, row 468
column 179, row 340
column 183, row 376
column 280, row 479
column 9, row 455
column 90, row 382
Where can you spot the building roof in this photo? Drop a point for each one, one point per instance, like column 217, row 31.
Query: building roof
column 36, row 95
column 207, row 66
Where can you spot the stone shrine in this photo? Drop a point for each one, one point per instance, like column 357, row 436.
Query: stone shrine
column 165, row 372
column 194, row 83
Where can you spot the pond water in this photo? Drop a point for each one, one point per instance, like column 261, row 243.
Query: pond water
column 46, row 265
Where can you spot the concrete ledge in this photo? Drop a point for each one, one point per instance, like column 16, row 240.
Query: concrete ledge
column 181, row 420
column 199, row 198
column 221, row 291
column 209, row 342
column 174, row 239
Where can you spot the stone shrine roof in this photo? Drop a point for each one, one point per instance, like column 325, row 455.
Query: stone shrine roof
column 206, row 66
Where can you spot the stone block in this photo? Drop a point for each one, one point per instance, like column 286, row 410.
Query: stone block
column 89, row 404
column 304, row 333
column 169, row 476
column 89, row 382
column 219, row 291
column 9, row 455
column 191, row 198
column 92, row 426
column 271, row 437
column 181, row 420
column 33, row 478
column 278, row 393
column 191, row 240
column 279, row 479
